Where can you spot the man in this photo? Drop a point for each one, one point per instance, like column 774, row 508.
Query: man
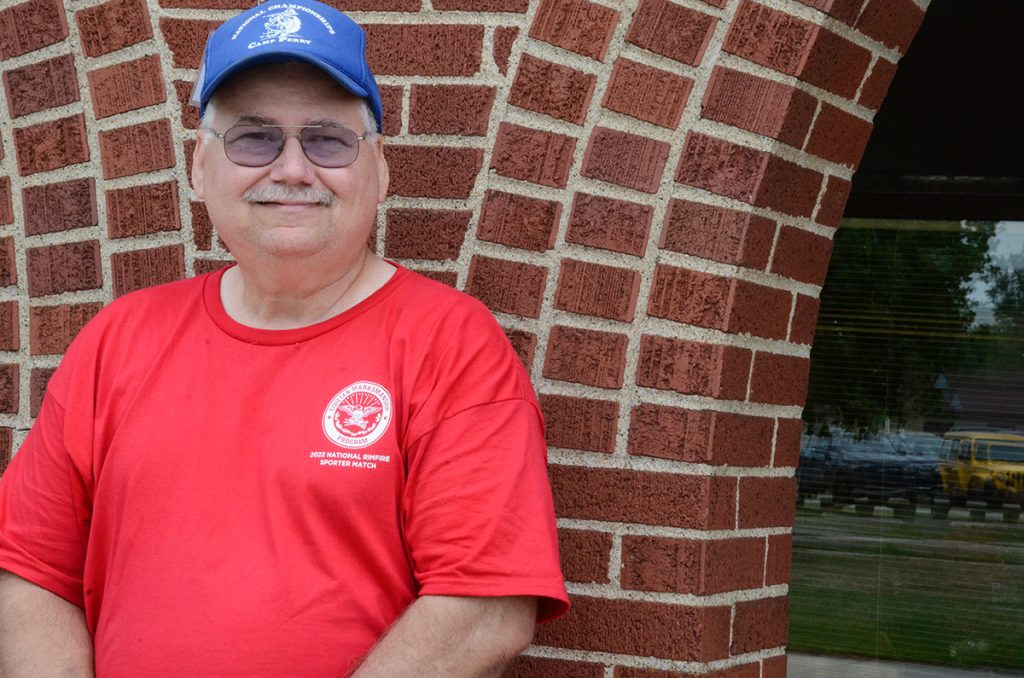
column 313, row 463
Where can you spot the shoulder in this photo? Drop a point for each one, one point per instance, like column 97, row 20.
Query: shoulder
column 428, row 299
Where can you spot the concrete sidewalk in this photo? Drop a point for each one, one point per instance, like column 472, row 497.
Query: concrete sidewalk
column 818, row 666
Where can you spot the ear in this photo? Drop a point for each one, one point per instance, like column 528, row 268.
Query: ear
column 383, row 174
column 199, row 164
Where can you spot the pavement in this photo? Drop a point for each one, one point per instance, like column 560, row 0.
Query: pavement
column 818, row 666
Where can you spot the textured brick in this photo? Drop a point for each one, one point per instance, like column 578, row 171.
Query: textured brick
column 760, row 625
column 774, row 667
column 696, row 566
column 449, row 278
column 71, row 267
column 759, row 105
column 414, row 170
column 802, row 255
column 779, row 379
column 10, row 333
column 647, row 93
column 788, row 188
column 533, row 155
column 691, row 367
column 38, row 378
column 625, row 159
column 665, row 28
column 51, row 145
column 759, row 310
column 113, row 25
column 805, row 320
column 8, row 269
column 186, row 39
column 587, row 357
column 557, row 91
column 690, row 297
column 835, row 64
column 10, row 391
column 700, row 436
column 844, row 10
column 127, row 86
column 833, row 202
column 391, row 98
column 877, row 85
column 144, row 268
column 6, row 205
column 767, row 502
column 641, row 628
column 189, row 113
column 519, row 221
column 136, row 149
column 839, row 136
column 721, row 167
column 780, row 559
column 426, row 233
column 507, row 286
column 524, row 344
column 202, row 229
column 739, row 671
column 585, row 555
column 580, row 423
column 42, row 85
column 504, row 40
column 518, row 6
column 51, row 328
column 891, row 22
column 7, row 449
column 609, row 224
column 576, row 25
column 424, row 50
column 450, row 109
column 787, row 442
column 140, row 210
column 204, row 266
column 31, row 25
column 539, row 667
column 598, row 290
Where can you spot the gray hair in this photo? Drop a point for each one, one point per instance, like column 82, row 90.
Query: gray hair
column 366, row 113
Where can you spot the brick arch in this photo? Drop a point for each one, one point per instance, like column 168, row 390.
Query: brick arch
column 643, row 191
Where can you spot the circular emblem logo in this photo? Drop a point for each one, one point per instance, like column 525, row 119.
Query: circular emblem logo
column 358, row 415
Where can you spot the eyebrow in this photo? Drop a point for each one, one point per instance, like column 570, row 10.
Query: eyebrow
column 254, row 119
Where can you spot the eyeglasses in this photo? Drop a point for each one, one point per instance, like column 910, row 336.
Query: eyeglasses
column 259, row 145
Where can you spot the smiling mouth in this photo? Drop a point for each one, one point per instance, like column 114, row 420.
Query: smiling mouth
column 289, row 197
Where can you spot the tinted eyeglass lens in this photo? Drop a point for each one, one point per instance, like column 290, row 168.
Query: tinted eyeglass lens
column 259, row 145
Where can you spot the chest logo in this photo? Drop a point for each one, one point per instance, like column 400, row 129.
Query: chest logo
column 358, row 415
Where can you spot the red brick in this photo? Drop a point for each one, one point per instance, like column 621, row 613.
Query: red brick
column 647, row 93
column 877, row 85
column 425, row 233
column 759, row 310
column 127, row 86
column 787, row 443
column 839, row 136
column 189, row 113
column 586, row 357
column 802, row 255
column 189, row 146
column 580, row 423
column 585, row 555
column 844, row 10
column 38, row 378
column 137, row 269
column 6, row 206
column 576, row 25
column 780, row 559
column 391, row 97
column 717, row 233
column 136, row 149
column 31, row 25
column 700, row 436
column 625, row 159
column 202, row 229
column 186, row 39
column 71, row 267
column 833, row 202
column 8, row 269
column 204, row 266
column 424, row 50
column 519, row 221
column 893, row 23
column 539, row 667
column 774, row 667
column 609, row 224
column 140, row 210
column 51, row 328
column 450, row 109
column 10, row 332
column 524, row 344
column 767, row 502
column 696, row 566
column 507, row 286
column 10, row 391
column 835, row 64
column 759, row 105
column 51, row 145
column 557, row 91
column 760, row 625
column 691, row 367
column 42, row 85
column 598, row 290
column 690, row 297
column 779, row 379
column 740, row 671
column 414, row 170
column 504, row 40
column 721, row 167
column 805, row 320
column 788, row 188
column 533, row 155
column 641, row 628
column 113, row 25
column 518, row 6
column 671, row 30
column 6, row 450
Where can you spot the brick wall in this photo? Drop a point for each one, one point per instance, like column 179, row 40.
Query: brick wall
column 643, row 191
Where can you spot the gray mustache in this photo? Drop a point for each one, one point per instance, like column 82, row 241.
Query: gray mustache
column 277, row 193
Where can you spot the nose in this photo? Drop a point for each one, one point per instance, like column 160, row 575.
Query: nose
column 292, row 166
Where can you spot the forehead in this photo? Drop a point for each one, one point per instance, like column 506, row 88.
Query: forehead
column 292, row 87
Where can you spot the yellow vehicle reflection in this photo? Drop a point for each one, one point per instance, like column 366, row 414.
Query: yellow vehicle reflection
column 982, row 469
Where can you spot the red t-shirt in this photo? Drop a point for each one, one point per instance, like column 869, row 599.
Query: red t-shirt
column 223, row 500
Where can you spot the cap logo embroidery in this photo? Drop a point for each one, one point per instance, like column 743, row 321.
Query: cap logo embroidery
column 358, row 415
column 282, row 26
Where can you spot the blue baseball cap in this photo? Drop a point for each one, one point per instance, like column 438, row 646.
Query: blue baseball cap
column 297, row 30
